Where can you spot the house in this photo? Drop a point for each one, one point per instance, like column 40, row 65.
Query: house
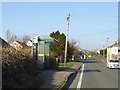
column 98, row 51
column 83, row 54
column 19, row 45
column 30, row 43
column 113, row 51
column 16, row 45
column 3, row 43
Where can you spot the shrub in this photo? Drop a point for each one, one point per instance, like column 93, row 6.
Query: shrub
column 18, row 69
column 53, row 64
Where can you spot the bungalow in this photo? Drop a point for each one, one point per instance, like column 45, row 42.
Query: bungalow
column 83, row 54
column 113, row 51
column 30, row 43
column 3, row 43
column 19, row 45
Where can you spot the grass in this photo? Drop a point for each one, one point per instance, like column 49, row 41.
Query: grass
column 62, row 67
column 105, row 60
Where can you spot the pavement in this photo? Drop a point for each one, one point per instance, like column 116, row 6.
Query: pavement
column 54, row 79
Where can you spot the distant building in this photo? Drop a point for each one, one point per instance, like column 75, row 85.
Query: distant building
column 16, row 45
column 113, row 51
column 98, row 51
column 83, row 55
column 30, row 43
column 19, row 45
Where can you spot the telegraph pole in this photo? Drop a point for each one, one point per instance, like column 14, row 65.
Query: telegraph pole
column 103, row 52
column 68, row 21
column 107, row 50
column 107, row 42
column 32, row 47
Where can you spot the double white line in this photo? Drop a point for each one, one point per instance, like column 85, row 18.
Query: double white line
column 80, row 79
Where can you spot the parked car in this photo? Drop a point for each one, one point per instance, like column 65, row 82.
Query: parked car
column 113, row 64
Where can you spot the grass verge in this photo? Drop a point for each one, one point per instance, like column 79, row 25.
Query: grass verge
column 62, row 67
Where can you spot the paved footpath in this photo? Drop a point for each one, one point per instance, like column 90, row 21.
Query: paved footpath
column 55, row 79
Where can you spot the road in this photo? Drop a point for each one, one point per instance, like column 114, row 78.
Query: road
column 94, row 74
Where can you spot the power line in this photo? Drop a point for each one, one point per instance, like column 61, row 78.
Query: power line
column 89, row 25
column 91, row 34
column 112, row 35
column 83, row 22
column 103, row 32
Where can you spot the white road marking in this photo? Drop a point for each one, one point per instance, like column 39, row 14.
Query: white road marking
column 80, row 79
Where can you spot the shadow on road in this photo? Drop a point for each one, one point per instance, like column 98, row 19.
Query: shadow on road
column 90, row 61
column 95, row 70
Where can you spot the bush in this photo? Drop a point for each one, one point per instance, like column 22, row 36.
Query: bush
column 53, row 64
column 19, row 69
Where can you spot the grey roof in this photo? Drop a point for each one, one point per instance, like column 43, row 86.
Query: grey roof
column 117, row 44
column 23, row 44
column 3, row 43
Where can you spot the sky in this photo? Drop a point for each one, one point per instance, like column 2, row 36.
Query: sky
column 91, row 23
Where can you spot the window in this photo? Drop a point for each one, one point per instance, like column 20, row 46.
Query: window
column 118, row 50
column 111, row 60
column 116, row 61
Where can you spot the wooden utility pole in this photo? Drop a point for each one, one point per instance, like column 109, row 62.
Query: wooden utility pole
column 107, row 50
column 103, row 52
column 68, row 21
column 32, row 47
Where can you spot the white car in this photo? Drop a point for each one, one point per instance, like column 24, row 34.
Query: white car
column 113, row 64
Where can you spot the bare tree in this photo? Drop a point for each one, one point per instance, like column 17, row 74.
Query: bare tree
column 25, row 38
column 76, row 50
column 10, row 36
column 72, row 43
column 72, row 48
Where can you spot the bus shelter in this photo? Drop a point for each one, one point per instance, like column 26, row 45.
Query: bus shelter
column 43, row 51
